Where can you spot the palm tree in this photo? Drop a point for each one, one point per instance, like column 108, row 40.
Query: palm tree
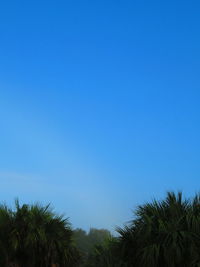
column 33, row 235
column 6, row 228
column 164, row 233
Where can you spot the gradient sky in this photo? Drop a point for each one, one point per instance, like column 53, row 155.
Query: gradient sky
column 99, row 104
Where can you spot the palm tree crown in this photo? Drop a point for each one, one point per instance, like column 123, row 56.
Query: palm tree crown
column 33, row 235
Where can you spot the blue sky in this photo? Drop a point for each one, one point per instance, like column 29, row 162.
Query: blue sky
column 99, row 104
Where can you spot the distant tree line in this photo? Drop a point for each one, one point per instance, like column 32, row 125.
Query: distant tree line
column 162, row 233
column 86, row 242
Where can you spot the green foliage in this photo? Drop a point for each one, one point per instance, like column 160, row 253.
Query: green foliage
column 106, row 255
column 163, row 233
column 33, row 236
column 87, row 242
column 97, row 237
column 81, row 240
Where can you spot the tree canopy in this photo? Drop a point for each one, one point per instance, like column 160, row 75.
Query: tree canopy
column 33, row 235
column 163, row 233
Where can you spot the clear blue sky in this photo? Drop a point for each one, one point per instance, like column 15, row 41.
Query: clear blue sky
column 99, row 104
